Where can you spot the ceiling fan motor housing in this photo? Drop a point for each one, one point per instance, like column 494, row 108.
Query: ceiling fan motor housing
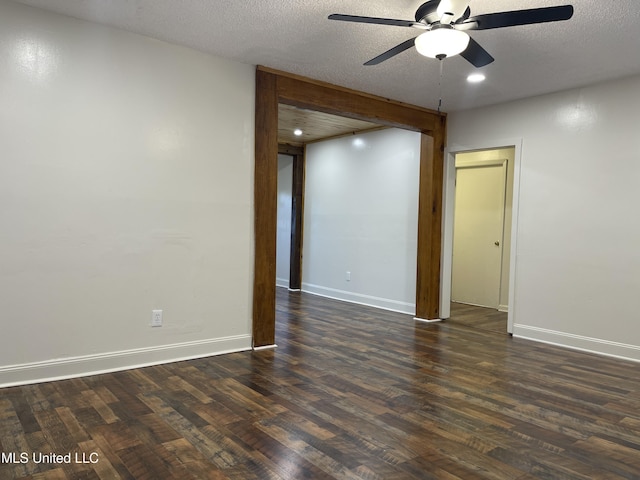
column 428, row 13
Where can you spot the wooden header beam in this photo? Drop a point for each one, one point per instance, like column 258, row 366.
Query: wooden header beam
column 274, row 87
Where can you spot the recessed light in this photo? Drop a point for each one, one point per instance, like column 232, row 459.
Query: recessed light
column 297, row 132
column 475, row 78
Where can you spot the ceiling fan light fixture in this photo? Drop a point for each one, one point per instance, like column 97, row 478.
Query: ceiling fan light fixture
column 442, row 40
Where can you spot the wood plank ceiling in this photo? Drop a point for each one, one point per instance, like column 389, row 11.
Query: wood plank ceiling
column 315, row 125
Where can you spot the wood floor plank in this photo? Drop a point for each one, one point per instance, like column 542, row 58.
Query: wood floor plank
column 104, row 448
column 102, row 466
column 284, row 461
column 75, row 431
column 152, row 429
column 55, row 474
column 351, row 392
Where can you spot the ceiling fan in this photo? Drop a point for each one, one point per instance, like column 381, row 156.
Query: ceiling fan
column 445, row 24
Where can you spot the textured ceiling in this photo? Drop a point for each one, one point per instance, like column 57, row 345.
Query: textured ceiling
column 600, row 42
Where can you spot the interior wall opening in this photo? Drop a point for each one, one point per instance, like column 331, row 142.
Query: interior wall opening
column 360, row 225
column 479, row 236
column 275, row 88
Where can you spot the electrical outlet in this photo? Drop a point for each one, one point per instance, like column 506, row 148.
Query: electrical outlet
column 348, row 277
column 156, row 318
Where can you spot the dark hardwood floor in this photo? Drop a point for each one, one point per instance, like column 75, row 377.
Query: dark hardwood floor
column 351, row 393
column 478, row 317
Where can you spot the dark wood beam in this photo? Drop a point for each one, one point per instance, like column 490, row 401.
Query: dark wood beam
column 273, row 87
column 265, row 208
column 286, row 149
column 430, row 225
column 297, row 217
column 315, row 95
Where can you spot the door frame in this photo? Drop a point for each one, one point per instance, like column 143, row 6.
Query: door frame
column 298, row 155
column 448, row 212
column 274, row 87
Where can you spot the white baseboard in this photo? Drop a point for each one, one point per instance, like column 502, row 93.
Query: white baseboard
column 503, row 308
column 578, row 342
column 368, row 300
column 282, row 282
column 425, row 320
column 63, row 368
column 265, row 347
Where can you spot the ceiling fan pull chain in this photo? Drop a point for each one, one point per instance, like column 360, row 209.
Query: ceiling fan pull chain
column 440, row 84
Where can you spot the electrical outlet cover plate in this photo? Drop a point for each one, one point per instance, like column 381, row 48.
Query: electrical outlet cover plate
column 156, row 318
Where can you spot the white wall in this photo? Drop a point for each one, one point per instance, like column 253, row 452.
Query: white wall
column 577, row 272
column 361, row 214
column 126, row 185
column 283, row 244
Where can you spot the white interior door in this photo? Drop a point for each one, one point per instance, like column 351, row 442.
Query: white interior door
column 478, row 232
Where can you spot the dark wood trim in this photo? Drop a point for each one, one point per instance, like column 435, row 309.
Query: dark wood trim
column 265, row 208
column 349, row 134
column 430, row 225
column 286, row 149
column 273, row 87
column 297, row 213
column 297, row 217
column 349, row 103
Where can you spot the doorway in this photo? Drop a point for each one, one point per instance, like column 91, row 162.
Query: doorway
column 274, row 88
column 478, row 230
column 283, row 238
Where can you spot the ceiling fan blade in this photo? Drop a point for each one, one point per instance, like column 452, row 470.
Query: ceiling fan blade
column 392, row 52
column 520, row 17
column 375, row 20
column 476, row 55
